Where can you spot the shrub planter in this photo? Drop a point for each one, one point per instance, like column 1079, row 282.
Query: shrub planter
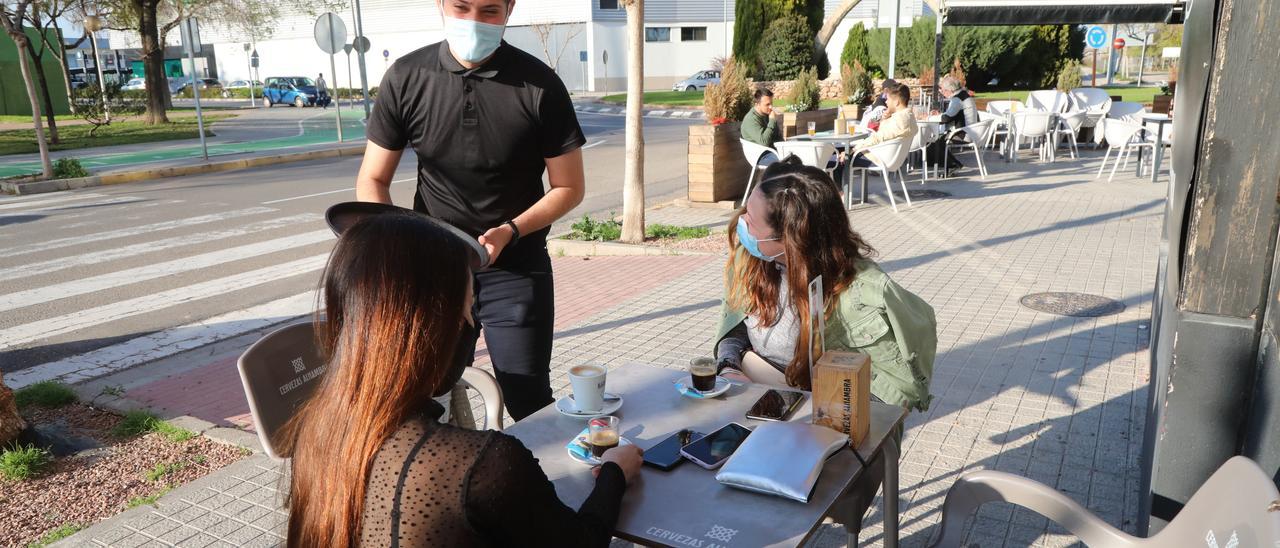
column 852, row 112
column 795, row 123
column 717, row 169
column 1160, row 104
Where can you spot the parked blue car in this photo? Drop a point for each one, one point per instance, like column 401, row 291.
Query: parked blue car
column 298, row 91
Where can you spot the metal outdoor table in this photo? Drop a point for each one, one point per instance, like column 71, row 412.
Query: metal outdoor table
column 1158, row 152
column 686, row 505
column 843, row 141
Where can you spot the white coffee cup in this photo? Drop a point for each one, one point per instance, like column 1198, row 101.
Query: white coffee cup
column 588, row 387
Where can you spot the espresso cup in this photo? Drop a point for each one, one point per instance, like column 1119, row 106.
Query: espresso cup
column 587, row 382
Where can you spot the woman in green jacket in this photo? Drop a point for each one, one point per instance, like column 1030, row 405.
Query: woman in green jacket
column 792, row 229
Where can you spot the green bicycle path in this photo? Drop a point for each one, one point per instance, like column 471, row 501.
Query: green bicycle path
column 315, row 130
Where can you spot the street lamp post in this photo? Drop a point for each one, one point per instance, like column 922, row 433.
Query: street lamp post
column 92, row 24
column 253, row 102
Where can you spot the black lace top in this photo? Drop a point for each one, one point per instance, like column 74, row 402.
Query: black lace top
column 433, row 484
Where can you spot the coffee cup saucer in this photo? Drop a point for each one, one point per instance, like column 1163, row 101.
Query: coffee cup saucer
column 568, row 408
column 685, row 387
column 580, row 451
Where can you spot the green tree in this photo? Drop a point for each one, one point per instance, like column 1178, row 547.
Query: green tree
column 748, row 26
column 855, row 49
column 788, row 48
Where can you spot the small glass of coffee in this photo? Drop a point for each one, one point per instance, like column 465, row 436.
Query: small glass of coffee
column 602, row 434
column 703, row 372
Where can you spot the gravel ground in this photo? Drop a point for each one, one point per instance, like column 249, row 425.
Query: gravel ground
column 716, row 243
column 95, row 484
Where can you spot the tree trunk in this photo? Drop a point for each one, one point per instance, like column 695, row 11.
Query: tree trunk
column 49, row 116
column 633, row 171
column 152, row 62
column 20, row 40
column 66, row 68
column 11, row 423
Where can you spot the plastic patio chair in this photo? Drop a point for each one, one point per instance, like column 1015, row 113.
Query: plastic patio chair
column 289, row 357
column 1238, row 506
column 1069, row 124
column 999, row 126
column 818, row 154
column 1123, row 137
column 1091, row 99
column 758, row 156
column 925, row 134
column 1050, row 100
column 896, row 150
column 975, row 134
column 1033, row 125
column 1122, row 110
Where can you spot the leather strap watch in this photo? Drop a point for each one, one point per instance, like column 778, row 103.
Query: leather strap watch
column 515, row 232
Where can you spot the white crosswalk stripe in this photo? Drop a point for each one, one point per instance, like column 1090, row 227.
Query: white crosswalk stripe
column 44, row 200
column 131, row 231
column 53, row 207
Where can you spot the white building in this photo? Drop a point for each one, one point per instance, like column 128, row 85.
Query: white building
column 682, row 37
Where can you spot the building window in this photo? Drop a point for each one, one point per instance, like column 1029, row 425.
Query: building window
column 609, row 5
column 657, row 34
column 693, row 34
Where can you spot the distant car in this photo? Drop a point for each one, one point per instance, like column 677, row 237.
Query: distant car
column 238, row 84
column 134, row 84
column 208, row 86
column 298, row 91
column 698, row 81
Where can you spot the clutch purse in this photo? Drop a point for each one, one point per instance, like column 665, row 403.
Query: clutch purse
column 782, row 459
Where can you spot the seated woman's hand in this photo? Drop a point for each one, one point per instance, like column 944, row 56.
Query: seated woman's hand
column 627, row 457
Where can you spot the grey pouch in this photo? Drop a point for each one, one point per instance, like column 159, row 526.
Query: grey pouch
column 782, row 458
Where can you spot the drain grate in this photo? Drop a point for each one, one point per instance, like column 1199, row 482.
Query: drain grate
column 1079, row 305
column 924, row 194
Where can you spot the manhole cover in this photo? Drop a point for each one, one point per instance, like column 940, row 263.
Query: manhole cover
column 924, row 194
column 1080, row 305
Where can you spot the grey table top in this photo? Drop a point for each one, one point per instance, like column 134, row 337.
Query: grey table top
column 686, row 506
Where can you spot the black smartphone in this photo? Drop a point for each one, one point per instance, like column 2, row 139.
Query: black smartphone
column 775, row 405
column 666, row 455
column 711, row 451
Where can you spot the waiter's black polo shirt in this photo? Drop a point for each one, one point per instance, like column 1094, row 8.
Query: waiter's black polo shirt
column 481, row 135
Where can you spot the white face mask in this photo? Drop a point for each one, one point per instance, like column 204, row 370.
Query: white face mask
column 473, row 41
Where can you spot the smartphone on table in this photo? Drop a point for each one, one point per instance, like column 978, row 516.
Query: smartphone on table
column 666, row 454
column 711, row 451
column 775, row 405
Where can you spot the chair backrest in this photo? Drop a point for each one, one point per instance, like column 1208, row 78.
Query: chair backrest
column 925, row 134
column 1237, row 499
column 1003, row 107
column 1050, row 100
column 1119, row 132
column 1031, row 123
column 884, row 154
column 283, row 369
column 1126, row 111
column 1091, row 99
column 811, row 153
column 756, row 153
column 1075, row 120
column 900, row 155
column 978, row 133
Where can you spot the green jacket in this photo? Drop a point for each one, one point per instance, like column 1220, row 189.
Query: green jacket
column 880, row 318
column 760, row 129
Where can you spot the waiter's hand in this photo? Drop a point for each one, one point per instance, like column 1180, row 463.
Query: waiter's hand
column 495, row 240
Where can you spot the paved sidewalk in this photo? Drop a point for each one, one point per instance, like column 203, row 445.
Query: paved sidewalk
column 1057, row 399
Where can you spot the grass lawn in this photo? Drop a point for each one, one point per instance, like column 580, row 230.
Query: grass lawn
column 1127, row 93
column 687, row 99
column 25, row 119
column 22, row 141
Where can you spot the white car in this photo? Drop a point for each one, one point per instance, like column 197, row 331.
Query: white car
column 698, row 81
column 134, row 84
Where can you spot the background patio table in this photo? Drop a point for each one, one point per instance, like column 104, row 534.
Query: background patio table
column 1160, row 120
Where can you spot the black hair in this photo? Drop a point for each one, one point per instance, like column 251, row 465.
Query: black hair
column 762, row 92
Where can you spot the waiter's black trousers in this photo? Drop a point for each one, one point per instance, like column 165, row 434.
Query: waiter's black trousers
column 515, row 307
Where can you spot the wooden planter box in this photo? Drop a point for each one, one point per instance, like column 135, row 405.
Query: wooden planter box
column 795, row 123
column 1160, row 104
column 852, row 112
column 717, row 169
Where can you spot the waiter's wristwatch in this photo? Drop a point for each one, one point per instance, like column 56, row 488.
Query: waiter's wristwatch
column 515, row 232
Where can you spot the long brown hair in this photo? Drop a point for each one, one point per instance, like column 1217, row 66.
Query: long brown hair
column 394, row 290
column 805, row 211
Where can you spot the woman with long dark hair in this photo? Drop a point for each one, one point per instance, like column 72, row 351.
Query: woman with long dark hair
column 792, row 229
column 372, row 466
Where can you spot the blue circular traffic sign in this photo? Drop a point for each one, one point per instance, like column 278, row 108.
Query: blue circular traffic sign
column 1096, row 37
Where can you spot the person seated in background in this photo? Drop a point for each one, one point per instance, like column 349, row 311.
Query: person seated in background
column 371, row 464
column 760, row 126
column 961, row 111
column 898, row 123
column 871, row 118
column 792, row 229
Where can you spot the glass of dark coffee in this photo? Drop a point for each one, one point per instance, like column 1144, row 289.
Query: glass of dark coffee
column 703, row 372
column 602, row 434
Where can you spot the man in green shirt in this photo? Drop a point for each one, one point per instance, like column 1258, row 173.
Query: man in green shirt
column 760, row 126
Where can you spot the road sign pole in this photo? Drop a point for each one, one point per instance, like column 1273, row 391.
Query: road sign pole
column 333, row 71
column 351, row 86
column 248, row 59
column 1111, row 58
column 189, row 36
column 1093, row 80
column 364, row 75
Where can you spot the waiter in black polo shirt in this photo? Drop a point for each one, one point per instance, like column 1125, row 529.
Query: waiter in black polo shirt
column 486, row 119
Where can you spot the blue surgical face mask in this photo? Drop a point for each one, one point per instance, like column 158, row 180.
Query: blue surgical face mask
column 472, row 40
column 752, row 244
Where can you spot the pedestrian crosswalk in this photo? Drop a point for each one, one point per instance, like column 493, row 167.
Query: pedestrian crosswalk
column 127, row 284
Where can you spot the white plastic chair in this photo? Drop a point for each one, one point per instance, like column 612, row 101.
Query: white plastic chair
column 1239, row 499
column 290, row 353
column 1050, row 100
column 1091, row 100
column 1069, row 125
column 925, row 134
column 999, row 126
column 1033, row 125
column 819, row 154
column 1127, row 111
column 1123, row 137
column 894, row 149
column 975, row 134
column 758, row 156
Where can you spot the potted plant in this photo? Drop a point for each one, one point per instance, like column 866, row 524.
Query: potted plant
column 857, row 90
column 1162, row 103
column 717, row 168
column 805, row 99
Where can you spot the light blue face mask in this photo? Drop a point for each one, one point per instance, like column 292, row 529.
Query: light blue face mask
column 752, row 244
column 472, row 40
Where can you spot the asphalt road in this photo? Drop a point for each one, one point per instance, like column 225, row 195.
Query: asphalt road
column 108, row 274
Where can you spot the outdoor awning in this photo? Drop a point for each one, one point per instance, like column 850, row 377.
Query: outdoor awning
column 1060, row 12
